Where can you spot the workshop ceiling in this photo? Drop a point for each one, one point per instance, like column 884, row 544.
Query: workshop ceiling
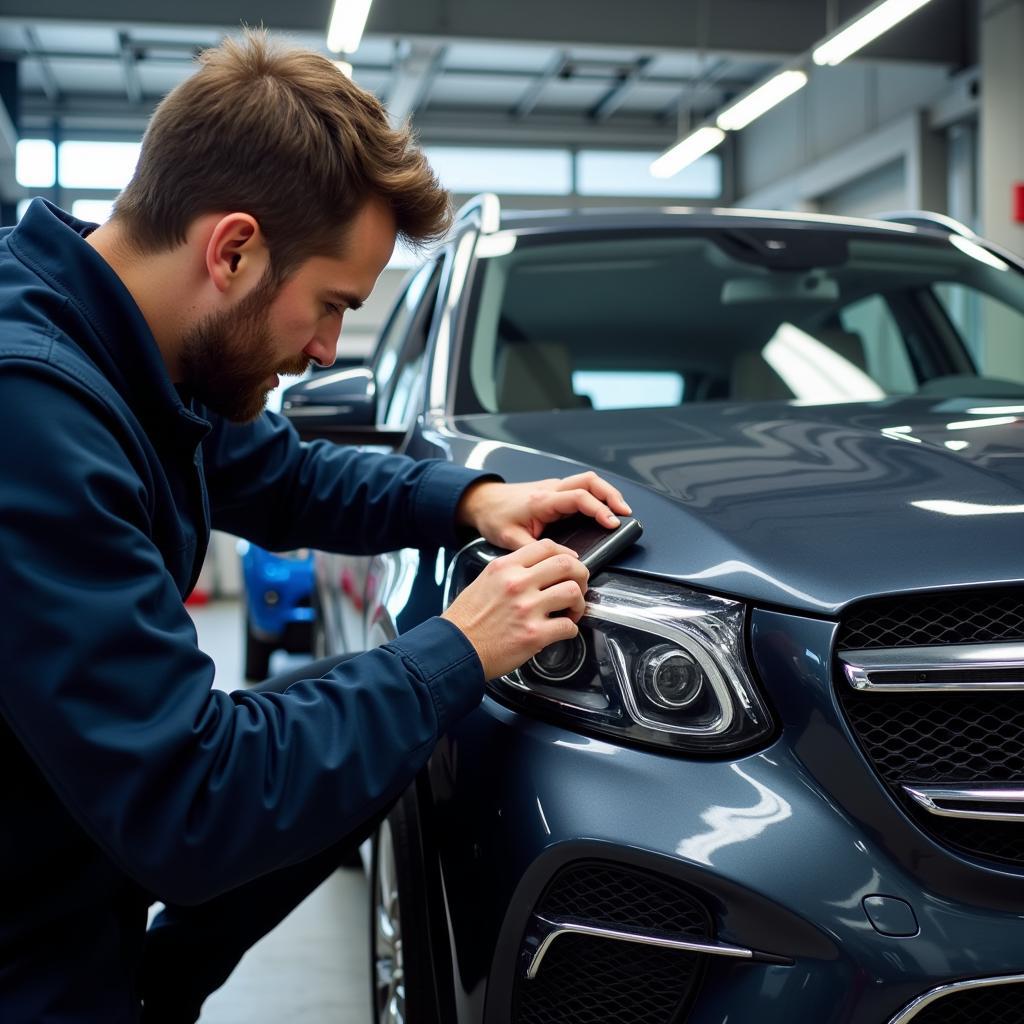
column 568, row 71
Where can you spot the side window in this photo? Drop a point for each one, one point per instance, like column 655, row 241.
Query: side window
column 991, row 330
column 881, row 349
column 389, row 347
column 399, row 402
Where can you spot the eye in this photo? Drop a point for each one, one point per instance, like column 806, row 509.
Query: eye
column 333, row 309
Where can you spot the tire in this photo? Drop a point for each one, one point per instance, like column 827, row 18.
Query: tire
column 402, row 956
column 257, row 655
column 318, row 643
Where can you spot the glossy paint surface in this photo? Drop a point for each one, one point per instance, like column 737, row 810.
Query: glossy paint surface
column 806, row 507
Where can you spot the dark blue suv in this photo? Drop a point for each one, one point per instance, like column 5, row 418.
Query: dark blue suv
column 779, row 776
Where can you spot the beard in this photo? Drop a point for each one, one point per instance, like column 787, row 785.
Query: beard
column 228, row 357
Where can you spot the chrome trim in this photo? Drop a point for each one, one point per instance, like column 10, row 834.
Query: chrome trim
column 861, row 667
column 925, row 218
column 550, row 929
column 437, row 387
column 912, row 1009
column 488, row 206
column 932, row 798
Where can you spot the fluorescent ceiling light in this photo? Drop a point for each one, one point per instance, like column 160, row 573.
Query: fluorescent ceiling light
column 344, row 67
column 867, row 27
column 761, row 100
column 686, row 151
column 348, row 19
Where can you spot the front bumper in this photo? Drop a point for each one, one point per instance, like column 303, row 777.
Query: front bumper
column 782, row 848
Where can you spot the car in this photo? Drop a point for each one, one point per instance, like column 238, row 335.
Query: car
column 779, row 776
column 279, row 613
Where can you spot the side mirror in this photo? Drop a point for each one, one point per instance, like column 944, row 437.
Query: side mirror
column 339, row 405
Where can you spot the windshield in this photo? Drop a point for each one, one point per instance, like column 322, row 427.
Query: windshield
column 804, row 315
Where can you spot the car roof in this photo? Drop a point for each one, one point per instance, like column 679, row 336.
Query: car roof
column 606, row 218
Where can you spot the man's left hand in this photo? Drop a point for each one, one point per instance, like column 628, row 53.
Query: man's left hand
column 512, row 515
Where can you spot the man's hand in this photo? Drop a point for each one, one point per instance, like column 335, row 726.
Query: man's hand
column 513, row 515
column 506, row 612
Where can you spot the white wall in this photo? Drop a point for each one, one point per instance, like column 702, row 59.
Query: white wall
column 838, row 106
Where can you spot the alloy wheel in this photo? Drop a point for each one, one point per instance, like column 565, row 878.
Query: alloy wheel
column 389, row 973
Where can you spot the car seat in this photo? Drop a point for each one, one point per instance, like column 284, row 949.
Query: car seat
column 753, row 378
column 535, row 375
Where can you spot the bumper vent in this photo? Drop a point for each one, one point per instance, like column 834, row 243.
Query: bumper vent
column 1003, row 1004
column 958, row 730
column 586, row 980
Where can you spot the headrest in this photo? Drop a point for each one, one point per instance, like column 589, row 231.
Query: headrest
column 535, row 375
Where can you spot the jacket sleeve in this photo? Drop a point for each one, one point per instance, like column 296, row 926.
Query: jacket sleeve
column 271, row 488
column 189, row 790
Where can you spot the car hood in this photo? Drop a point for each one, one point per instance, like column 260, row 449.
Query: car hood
column 808, row 507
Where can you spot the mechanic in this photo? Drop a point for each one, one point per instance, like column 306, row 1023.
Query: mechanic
column 135, row 360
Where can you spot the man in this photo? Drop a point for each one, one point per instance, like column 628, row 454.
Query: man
column 135, row 359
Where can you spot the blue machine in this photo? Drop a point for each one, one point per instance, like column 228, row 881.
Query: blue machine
column 279, row 605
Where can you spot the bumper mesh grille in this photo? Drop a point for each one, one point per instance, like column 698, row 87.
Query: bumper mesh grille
column 1001, row 1004
column 585, row 980
column 608, row 894
column 933, row 738
column 978, row 617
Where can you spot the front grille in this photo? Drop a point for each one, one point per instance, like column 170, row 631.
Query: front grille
column 927, row 620
column 586, row 980
column 999, row 1004
column 941, row 738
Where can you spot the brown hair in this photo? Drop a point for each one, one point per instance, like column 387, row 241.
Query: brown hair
column 279, row 133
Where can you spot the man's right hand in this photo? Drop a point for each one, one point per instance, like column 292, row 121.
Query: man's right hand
column 506, row 612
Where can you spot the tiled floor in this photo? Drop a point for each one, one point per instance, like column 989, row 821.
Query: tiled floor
column 313, row 968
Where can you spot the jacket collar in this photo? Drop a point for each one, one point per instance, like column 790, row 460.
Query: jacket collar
column 104, row 319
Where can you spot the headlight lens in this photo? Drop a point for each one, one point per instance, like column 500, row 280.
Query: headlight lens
column 654, row 663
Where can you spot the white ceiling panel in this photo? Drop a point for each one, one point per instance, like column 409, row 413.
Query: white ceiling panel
column 647, row 98
column 477, row 91
column 570, row 95
column 77, row 38
column 493, row 57
column 678, row 65
column 157, row 79
column 96, row 77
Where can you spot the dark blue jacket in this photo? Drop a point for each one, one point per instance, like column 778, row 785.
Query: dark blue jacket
column 124, row 776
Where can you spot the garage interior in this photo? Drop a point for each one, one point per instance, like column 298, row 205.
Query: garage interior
column 551, row 106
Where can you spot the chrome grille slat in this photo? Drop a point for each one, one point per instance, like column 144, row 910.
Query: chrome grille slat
column 968, row 664
column 932, row 686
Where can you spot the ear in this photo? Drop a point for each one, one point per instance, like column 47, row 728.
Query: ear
column 236, row 253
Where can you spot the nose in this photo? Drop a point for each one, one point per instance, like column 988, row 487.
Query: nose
column 321, row 352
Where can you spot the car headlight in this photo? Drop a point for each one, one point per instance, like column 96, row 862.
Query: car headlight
column 654, row 663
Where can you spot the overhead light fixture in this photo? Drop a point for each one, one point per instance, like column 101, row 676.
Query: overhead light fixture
column 348, row 19
column 344, row 67
column 878, row 20
column 761, row 100
column 686, row 151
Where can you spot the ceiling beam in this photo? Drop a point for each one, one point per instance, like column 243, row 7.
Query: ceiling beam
column 104, row 117
column 756, row 28
column 47, row 77
column 415, row 74
column 619, row 93
column 531, row 97
column 132, row 82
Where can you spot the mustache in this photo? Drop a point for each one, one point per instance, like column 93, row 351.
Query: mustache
column 294, row 367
